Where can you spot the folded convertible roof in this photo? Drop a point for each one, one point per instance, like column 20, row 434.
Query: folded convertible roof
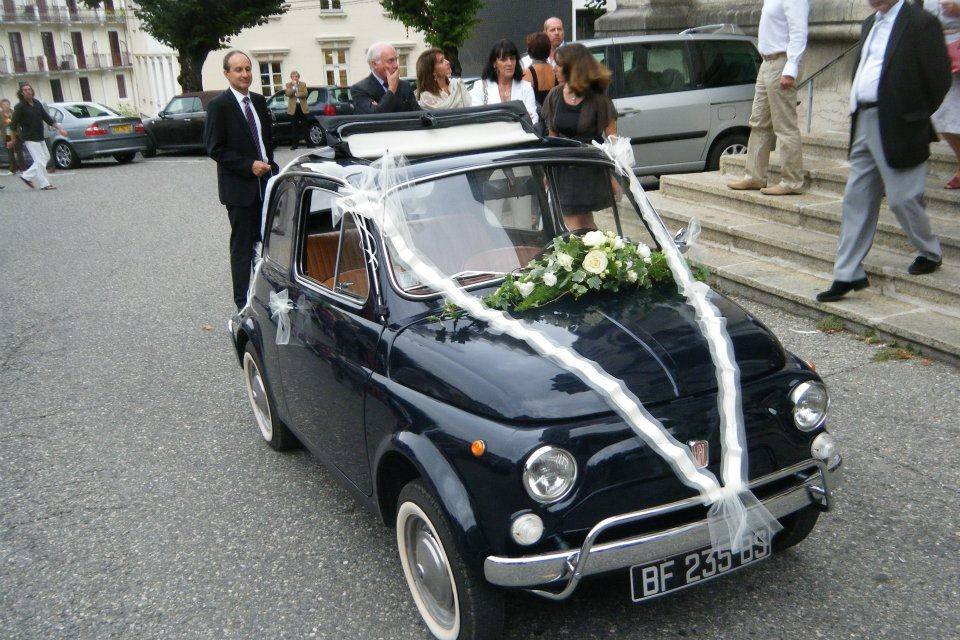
column 420, row 133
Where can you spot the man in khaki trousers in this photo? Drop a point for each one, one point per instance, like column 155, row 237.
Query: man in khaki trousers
column 782, row 40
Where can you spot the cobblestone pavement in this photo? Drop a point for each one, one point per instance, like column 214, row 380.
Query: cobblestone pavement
column 137, row 501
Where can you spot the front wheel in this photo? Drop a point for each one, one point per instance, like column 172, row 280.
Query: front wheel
column 65, row 157
column 455, row 602
column 731, row 144
column 796, row 527
column 124, row 158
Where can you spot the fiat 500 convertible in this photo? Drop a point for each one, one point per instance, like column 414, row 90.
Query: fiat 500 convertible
column 499, row 469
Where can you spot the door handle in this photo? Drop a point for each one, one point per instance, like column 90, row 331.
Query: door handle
column 629, row 111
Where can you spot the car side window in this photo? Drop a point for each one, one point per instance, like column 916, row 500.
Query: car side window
column 654, row 67
column 194, row 105
column 352, row 277
column 320, row 241
column 726, row 63
column 281, row 223
column 177, row 106
column 314, row 96
column 55, row 114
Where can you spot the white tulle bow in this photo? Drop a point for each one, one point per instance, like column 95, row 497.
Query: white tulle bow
column 280, row 307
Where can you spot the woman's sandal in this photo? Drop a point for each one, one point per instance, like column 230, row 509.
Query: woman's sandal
column 954, row 182
column 49, row 187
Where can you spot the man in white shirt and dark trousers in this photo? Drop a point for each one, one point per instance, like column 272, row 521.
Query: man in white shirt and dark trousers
column 782, row 42
column 901, row 77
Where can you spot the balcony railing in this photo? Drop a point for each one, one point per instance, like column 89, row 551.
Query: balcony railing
column 70, row 63
column 31, row 14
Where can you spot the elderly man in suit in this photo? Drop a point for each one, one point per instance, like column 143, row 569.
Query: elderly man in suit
column 383, row 91
column 237, row 135
column 901, row 77
column 296, row 92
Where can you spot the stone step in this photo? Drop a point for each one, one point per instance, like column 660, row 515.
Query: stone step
column 784, row 286
column 829, row 177
column 833, row 146
column 811, row 210
column 813, row 251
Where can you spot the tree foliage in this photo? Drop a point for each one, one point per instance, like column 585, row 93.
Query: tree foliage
column 445, row 24
column 196, row 27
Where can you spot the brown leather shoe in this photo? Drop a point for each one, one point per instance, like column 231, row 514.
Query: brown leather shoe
column 779, row 190
column 746, row 184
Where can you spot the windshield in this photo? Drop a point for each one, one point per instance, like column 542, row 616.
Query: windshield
column 480, row 225
column 90, row 110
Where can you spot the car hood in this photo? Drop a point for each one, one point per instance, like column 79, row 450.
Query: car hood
column 648, row 338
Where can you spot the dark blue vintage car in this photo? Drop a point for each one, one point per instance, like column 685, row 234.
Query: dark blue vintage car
column 498, row 469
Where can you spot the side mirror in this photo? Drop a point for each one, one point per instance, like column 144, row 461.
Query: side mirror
column 162, row 115
column 687, row 236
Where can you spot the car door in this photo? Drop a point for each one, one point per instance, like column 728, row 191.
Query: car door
column 659, row 105
column 193, row 124
column 327, row 364
column 727, row 69
column 165, row 128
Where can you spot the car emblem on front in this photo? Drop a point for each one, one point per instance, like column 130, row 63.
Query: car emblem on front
column 701, row 452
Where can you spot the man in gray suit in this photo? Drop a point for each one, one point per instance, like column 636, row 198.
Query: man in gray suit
column 902, row 76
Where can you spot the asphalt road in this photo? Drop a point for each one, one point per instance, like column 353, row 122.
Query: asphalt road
column 137, row 500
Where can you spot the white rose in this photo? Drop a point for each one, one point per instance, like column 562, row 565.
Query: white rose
column 632, row 276
column 644, row 251
column 647, row 260
column 595, row 262
column 594, row 239
column 565, row 260
column 526, row 288
column 549, row 279
column 618, row 243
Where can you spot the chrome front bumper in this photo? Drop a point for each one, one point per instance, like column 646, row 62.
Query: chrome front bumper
column 815, row 483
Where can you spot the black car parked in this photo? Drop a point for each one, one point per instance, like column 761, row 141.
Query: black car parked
column 498, row 468
column 179, row 126
column 322, row 102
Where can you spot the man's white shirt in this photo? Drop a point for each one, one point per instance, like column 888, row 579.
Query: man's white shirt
column 783, row 28
column 240, row 97
column 866, row 83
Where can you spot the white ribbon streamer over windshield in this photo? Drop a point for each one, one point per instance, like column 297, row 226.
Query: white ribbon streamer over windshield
column 732, row 516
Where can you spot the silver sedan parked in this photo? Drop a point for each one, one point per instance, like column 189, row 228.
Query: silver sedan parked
column 93, row 131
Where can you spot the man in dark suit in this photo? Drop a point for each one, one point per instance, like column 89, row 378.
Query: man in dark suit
column 901, row 77
column 383, row 91
column 237, row 135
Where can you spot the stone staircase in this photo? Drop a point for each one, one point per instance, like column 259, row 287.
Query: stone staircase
column 780, row 250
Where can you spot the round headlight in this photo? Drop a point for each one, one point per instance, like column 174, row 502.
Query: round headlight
column 810, row 402
column 549, row 474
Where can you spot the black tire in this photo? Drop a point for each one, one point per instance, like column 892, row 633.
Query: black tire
column 124, row 158
column 273, row 431
column 478, row 607
column 64, row 156
column 315, row 135
column 728, row 144
column 151, row 150
column 796, row 527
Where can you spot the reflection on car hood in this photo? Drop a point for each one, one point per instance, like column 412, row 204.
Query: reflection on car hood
column 647, row 338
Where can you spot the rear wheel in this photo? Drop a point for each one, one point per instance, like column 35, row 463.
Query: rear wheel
column 796, row 527
column 64, row 156
column 456, row 603
column 151, row 150
column 315, row 134
column 731, row 144
column 273, row 431
column 124, row 158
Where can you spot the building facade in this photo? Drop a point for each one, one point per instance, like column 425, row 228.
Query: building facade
column 834, row 30
column 155, row 68
column 325, row 40
column 66, row 51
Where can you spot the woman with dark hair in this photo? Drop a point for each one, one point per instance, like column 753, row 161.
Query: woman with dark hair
column 502, row 80
column 436, row 89
column 579, row 109
column 540, row 73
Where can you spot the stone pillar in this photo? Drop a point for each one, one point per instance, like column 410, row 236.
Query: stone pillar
column 834, row 27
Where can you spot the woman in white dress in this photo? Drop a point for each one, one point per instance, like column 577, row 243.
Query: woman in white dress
column 947, row 118
column 502, row 80
column 436, row 89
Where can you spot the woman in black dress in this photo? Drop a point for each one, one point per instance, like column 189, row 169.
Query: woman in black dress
column 579, row 109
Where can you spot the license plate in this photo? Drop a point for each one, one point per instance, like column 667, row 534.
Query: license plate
column 687, row 569
column 123, row 128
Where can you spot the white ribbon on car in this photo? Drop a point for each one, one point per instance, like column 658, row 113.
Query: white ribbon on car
column 280, row 307
column 734, row 512
column 737, row 513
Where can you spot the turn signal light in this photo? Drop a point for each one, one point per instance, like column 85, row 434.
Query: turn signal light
column 477, row 447
column 329, row 110
column 139, row 127
column 95, row 130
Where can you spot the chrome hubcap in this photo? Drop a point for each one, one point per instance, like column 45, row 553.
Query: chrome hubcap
column 431, row 573
column 63, row 156
column 258, row 397
column 735, row 150
column 316, row 134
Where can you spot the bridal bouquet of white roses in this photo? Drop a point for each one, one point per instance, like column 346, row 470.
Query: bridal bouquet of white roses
column 596, row 261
